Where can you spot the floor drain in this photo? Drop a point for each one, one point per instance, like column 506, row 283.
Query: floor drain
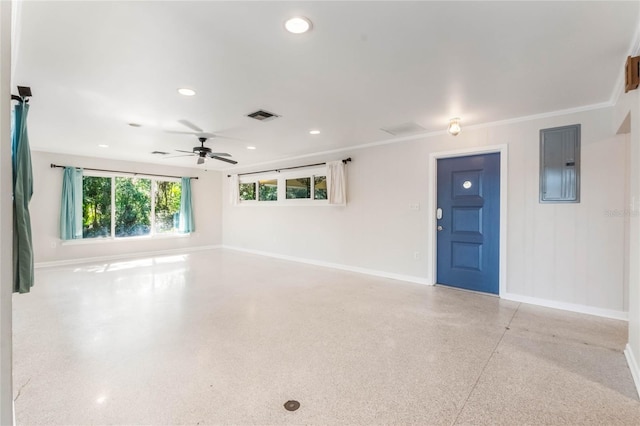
column 291, row 405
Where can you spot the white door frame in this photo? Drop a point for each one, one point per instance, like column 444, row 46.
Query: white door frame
column 432, row 205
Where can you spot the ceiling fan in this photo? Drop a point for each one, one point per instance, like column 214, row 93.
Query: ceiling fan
column 202, row 151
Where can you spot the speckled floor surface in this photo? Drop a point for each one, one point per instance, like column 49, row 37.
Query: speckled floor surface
column 220, row 337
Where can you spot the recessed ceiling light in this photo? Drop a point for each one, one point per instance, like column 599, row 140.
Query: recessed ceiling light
column 314, row 132
column 186, row 92
column 297, row 25
column 103, row 145
column 251, row 147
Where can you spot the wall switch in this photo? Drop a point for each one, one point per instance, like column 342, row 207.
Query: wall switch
column 416, row 255
column 414, row 206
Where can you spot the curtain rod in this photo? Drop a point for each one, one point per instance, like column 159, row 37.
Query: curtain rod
column 119, row 171
column 25, row 92
column 345, row 161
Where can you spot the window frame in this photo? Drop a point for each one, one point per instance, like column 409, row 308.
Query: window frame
column 282, row 178
column 112, row 237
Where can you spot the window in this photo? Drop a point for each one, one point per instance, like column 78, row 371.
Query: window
column 268, row 190
column 319, row 187
column 133, row 207
column 96, row 206
column 248, row 191
column 298, row 188
column 307, row 187
column 167, row 206
column 115, row 206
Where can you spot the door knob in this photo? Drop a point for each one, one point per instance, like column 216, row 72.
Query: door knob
column 439, row 228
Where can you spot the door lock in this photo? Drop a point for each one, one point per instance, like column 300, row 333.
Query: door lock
column 439, row 213
column 439, row 228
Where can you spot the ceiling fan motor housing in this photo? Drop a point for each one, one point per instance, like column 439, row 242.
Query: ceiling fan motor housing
column 201, row 150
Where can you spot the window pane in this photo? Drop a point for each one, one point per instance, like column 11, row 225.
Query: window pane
column 320, row 187
column 298, row 188
column 167, row 214
column 96, row 207
column 248, row 191
column 268, row 190
column 133, row 206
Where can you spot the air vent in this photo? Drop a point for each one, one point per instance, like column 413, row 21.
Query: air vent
column 160, row 153
column 404, row 129
column 262, row 115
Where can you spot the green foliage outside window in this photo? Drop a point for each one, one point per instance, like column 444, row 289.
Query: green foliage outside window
column 167, row 207
column 320, row 188
column 248, row 191
column 298, row 188
column 268, row 190
column 133, row 206
column 96, row 207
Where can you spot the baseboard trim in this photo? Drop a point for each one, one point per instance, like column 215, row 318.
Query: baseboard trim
column 342, row 267
column 84, row 260
column 633, row 366
column 606, row 313
column 583, row 309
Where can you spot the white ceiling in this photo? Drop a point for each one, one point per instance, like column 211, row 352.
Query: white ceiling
column 96, row 66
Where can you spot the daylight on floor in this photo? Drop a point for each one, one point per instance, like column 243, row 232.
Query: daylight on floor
column 312, row 212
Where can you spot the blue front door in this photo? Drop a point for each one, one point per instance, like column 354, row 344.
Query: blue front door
column 468, row 222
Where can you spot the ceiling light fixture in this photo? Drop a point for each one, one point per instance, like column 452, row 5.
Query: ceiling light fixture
column 297, row 25
column 102, row 145
column 314, row 132
column 251, row 147
column 454, row 126
column 186, row 92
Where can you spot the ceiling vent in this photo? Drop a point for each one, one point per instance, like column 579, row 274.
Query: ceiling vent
column 262, row 115
column 160, row 153
column 404, row 129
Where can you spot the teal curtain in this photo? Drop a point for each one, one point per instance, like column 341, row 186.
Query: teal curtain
column 71, row 204
column 186, row 214
column 22, row 192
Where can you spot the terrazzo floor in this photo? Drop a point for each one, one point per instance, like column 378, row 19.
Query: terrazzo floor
column 222, row 337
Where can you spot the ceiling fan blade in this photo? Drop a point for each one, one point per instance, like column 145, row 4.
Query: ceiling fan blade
column 219, row 154
column 177, row 132
column 229, row 137
column 190, row 125
column 178, row 156
column 182, row 150
column 224, row 159
column 206, row 135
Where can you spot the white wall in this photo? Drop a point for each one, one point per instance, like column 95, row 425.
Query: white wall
column 6, row 235
column 45, row 210
column 569, row 253
column 629, row 105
